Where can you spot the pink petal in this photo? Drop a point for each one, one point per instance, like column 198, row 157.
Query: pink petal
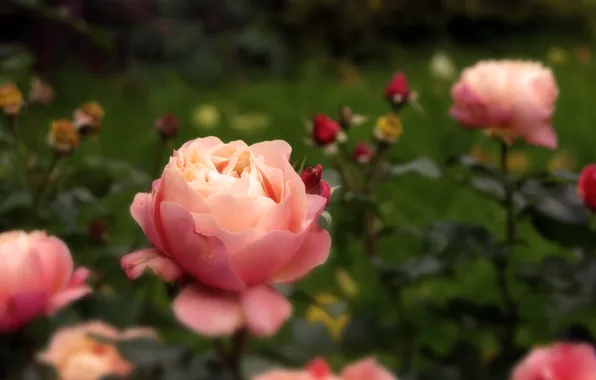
column 21, row 309
column 316, row 205
column 259, row 260
column 224, row 208
column 367, row 369
column 266, row 310
column 79, row 277
column 135, row 264
column 275, row 153
column 208, row 313
column 313, row 252
column 55, row 263
column 203, row 143
column 289, row 214
column 545, row 137
column 204, row 257
column 66, row 297
column 141, row 212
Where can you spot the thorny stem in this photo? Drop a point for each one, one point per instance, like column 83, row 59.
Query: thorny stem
column 44, row 183
column 502, row 260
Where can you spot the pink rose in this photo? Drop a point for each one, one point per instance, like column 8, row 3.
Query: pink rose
column 76, row 354
column 511, row 99
column 560, row 361
column 231, row 219
column 318, row 369
column 36, row 277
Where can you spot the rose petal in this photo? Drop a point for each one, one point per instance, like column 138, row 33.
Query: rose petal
column 367, row 369
column 203, row 143
column 266, row 310
column 78, row 278
column 207, row 313
column 55, row 261
column 141, row 213
column 275, row 153
column 313, row 252
column 289, row 214
column 135, row 264
column 205, row 257
column 66, row 297
column 21, row 309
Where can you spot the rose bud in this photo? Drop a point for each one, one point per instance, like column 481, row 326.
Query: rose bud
column 397, row 91
column 314, row 184
column 89, row 351
column 88, row 118
column 63, row 137
column 37, row 278
column 216, row 219
column 560, row 361
column 362, row 153
column 318, row 369
column 388, row 129
column 167, row 126
column 509, row 100
column 41, row 92
column 325, row 130
column 11, row 99
column 587, row 186
column 346, row 117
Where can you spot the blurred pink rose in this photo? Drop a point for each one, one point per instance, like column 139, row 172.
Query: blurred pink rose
column 232, row 219
column 36, row 277
column 366, row 369
column 560, row 361
column 76, row 355
column 511, row 99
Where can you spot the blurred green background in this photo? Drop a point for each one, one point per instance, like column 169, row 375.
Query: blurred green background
column 256, row 70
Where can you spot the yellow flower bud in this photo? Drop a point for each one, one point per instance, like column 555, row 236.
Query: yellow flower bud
column 388, row 128
column 63, row 137
column 11, row 99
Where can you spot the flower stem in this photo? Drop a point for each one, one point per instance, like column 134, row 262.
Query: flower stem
column 232, row 358
column 502, row 259
column 370, row 184
column 44, row 183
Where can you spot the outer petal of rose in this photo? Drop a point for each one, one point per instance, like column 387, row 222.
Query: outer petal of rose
column 545, row 137
column 261, row 259
column 366, row 369
column 79, row 277
column 316, row 205
column 313, row 252
column 21, row 309
column 289, row 214
column 66, row 297
column 56, row 262
column 274, row 152
column 141, row 212
column 207, row 313
column 204, row 257
column 266, row 310
column 135, row 264
column 280, row 374
column 173, row 188
column 203, row 143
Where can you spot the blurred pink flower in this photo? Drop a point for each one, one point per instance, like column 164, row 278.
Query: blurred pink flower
column 318, row 369
column 36, row 278
column 232, row 219
column 510, row 99
column 363, row 153
column 76, row 354
column 560, row 361
column 398, row 91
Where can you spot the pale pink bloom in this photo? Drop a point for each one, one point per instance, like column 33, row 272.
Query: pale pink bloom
column 365, row 369
column 233, row 219
column 36, row 277
column 76, row 353
column 560, row 361
column 511, row 99
column 41, row 92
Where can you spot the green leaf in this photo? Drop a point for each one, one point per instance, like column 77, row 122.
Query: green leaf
column 560, row 216
column 17, row 200
column 423, row 166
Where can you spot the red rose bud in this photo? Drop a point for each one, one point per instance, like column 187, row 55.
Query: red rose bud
column 313, row 182
column 362, row 153
column 319, row 369
column 167, row 126
column 312, row 177
column 325, row 130
column 587, row 186
column 397, row 91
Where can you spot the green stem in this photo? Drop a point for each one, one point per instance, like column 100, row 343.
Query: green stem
column 232, row 358
column 44, row 183
column 370, row 184
column 14, row 130
column 502, row 260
